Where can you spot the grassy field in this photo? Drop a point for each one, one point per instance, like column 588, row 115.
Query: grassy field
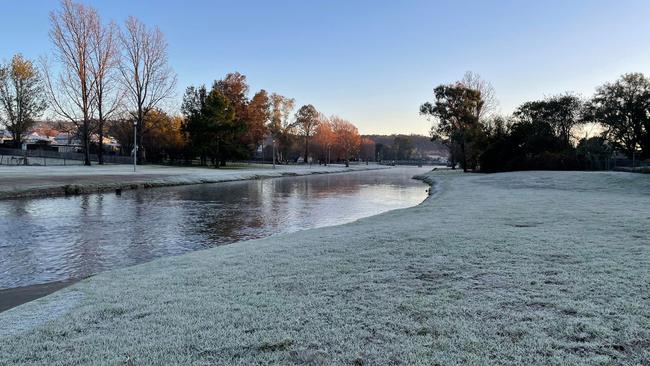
column 547, row 268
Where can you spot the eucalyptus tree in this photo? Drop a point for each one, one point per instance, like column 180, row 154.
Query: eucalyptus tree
column 456, row 121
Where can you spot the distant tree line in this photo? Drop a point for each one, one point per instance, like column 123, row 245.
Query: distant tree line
column 541, row 134
column 222, row 124
column 406, row 147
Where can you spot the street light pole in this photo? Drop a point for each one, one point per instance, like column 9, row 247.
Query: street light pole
column 273, row 141
column 135, row 145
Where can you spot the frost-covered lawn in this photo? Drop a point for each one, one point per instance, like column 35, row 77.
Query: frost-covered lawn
column 22, row 181
column 518, row 268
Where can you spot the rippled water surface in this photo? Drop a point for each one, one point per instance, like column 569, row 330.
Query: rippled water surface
column 52, row 239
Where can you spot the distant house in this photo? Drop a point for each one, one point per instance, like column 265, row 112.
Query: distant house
column 5, row 136
column 67, row 142
column 109, row 142
column 37, row 138
column 66, row 138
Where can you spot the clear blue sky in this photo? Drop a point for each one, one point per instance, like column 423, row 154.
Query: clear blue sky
column 374, row 62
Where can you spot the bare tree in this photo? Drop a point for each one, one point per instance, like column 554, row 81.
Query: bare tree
column 472, row 80
column 103, row 66
column 22, row 96
column 71, row 92
column 146, row 75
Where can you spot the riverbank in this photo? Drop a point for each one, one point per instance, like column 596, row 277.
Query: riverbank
column 10, row 298
column 53, row 244
column 39, row 181
column 514, row 268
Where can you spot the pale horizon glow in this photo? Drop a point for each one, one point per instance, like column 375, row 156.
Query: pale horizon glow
column 374, row 63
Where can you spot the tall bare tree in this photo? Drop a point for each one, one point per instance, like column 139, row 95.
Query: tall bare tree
column 22, row 96
column 474, row 81
column 145, row 72
column 103, row 68
column 71, row 92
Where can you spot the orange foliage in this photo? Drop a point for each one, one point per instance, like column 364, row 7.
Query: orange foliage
column 348, row 140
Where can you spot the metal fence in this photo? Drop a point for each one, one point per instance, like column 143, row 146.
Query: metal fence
column 49, row 157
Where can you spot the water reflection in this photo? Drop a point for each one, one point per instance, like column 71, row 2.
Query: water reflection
column 52, row 239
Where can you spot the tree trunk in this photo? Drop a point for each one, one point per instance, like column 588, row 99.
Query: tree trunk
column 306, row 148
column 464, row 157
column 17, row 141
column 645, row 146
column 140, row 128
column 86, row 141
column 100, row 151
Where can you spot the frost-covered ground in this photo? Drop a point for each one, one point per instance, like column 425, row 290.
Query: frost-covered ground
column 25, row 181
column 546, row 268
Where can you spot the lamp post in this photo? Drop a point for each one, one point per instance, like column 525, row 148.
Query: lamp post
column 135, row 144
column 273, row 151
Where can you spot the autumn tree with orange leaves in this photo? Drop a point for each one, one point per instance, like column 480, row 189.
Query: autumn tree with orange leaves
column 259, row 114
column 251, row 115
column 348, row 139
column 324, row 139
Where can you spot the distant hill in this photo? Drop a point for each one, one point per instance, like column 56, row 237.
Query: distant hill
column 421, row 145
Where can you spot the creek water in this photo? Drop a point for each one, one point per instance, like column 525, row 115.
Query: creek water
column 47, row 240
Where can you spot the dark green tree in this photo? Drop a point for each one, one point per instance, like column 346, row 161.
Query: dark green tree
column 623, row 108
column 306, row 123
column 525, row 145
column 561, row 112
column 211, row 126
column 537, row 137
column 235, row 88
